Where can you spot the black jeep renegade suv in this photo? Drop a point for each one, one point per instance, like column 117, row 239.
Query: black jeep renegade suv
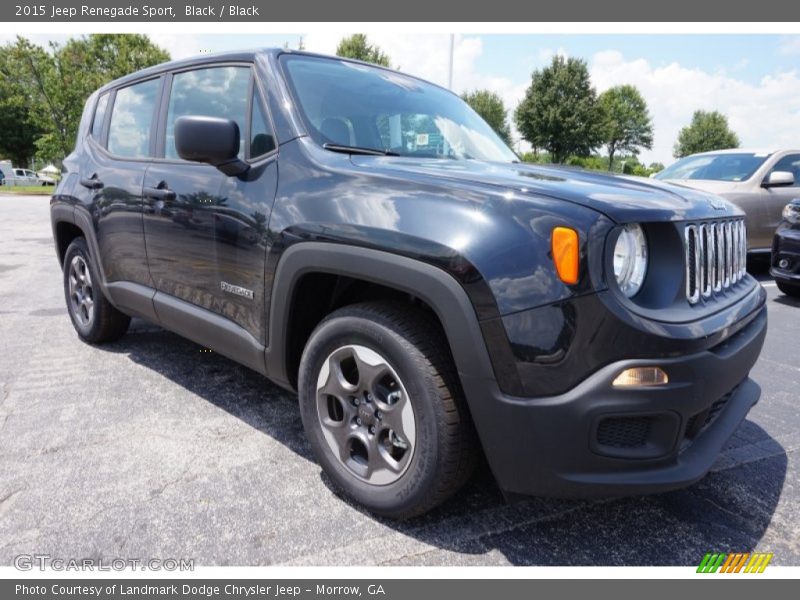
column 363, row 237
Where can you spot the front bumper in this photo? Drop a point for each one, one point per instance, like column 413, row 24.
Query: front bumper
column 786, row 247
column 596, row 439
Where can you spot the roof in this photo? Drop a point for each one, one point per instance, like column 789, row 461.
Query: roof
column 764, row 151
column 247, row 55
column 200, row 59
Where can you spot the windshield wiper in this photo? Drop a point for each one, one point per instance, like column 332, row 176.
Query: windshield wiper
column 358, row 150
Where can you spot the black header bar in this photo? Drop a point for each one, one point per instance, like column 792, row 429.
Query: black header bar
column 440, row 11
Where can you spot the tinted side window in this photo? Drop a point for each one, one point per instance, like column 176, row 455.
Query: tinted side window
column 214, row 92
column 131, row 117
column 99, row 116
column 261, row 139
column 790, row 163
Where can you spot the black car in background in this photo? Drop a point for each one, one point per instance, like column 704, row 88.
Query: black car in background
column 364, row 238
column 785, row 263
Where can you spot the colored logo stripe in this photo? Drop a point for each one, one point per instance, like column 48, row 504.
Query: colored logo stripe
column 758, row 563
column 734, row 562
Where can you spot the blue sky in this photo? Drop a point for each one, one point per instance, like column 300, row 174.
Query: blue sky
column 747, row 56
column 753, row 79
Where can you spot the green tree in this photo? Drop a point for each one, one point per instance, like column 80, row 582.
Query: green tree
column 655, row 167
column 491, row 108
column 56, row 82
column 627, row 126
column 19, row 133
column 358, row 47
column 559, row 111
column 707, row 131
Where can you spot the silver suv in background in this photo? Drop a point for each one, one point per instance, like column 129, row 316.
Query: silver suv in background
column 760, row 182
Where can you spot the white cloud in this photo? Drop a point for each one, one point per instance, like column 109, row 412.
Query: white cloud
column 790, row 46
column 545, row 55
column 180, row 46
column 765, row 114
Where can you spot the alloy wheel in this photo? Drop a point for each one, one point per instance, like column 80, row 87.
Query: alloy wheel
column 81, row 293
column 366, row 415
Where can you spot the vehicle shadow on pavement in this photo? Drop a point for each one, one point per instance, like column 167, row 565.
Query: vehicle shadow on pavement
column 728, row 511
column 788, row 301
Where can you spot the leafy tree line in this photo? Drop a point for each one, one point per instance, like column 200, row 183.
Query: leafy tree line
column 43, row 90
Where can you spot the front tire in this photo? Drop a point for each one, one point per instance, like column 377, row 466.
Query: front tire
column 383, row 409
column 92, row 315
column 789, row 289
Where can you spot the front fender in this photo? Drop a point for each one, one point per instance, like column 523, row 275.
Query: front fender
column 440, row 290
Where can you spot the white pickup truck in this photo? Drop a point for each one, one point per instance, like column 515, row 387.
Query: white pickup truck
column 16, row 176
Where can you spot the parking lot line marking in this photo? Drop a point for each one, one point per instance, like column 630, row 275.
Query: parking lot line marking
column 773, row 284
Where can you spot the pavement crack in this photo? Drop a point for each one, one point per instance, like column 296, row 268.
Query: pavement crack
column 727, row 511
column 7, row 501
column 160, row 490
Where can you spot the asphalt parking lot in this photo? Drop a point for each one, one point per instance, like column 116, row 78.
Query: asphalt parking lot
column 152, row 448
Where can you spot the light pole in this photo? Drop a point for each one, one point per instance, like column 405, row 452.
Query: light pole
column 450, row 69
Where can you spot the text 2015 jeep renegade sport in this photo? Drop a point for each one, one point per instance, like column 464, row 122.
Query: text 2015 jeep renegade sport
column 363, row 237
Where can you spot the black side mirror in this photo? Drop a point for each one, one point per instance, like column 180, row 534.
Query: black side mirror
column 210, row 140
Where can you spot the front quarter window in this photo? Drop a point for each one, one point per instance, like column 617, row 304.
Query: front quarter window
column 350, row 104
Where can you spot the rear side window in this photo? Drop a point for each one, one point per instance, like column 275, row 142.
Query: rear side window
column 131, row 118
column 99, row 117
column 261, row 139
column 214, row 92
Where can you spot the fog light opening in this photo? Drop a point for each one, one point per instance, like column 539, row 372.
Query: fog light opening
column 783, row 263
column 641, row 376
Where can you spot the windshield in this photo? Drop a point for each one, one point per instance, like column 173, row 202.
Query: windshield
column 348, row 104
column 716, row 167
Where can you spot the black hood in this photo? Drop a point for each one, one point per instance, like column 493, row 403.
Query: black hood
column 624, row 199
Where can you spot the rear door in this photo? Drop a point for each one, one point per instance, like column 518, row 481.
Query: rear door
column 205, row 231
column 119, row 147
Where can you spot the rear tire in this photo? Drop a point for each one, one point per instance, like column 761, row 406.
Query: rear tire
column 92, row 315
column 383, row 408
column 790, row 289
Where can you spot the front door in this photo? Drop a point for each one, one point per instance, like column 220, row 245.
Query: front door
column 776, row 198
column 205, row 232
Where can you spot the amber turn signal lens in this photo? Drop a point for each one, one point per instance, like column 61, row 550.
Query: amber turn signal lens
column 564, row 244
column 641, row 376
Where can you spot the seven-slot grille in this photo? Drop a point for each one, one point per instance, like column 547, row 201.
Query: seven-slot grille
column 716, row 257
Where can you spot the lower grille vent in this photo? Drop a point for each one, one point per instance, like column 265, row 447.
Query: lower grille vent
column 623, row 432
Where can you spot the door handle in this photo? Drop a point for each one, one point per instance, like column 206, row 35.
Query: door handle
column 92, row 183
column 160, row 192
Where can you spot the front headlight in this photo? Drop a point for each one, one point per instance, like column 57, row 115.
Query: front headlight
column 791, row 213
column 630, row 259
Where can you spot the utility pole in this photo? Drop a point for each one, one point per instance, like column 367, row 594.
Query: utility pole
column 450, row 70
